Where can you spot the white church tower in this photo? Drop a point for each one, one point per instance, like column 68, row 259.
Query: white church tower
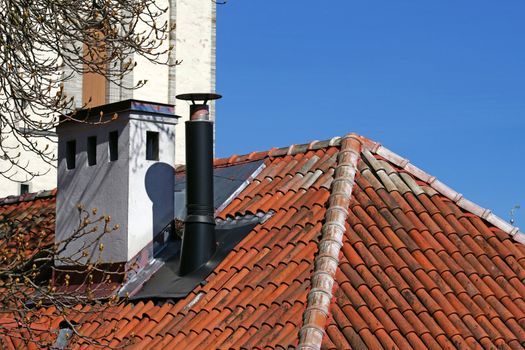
column 194, row 47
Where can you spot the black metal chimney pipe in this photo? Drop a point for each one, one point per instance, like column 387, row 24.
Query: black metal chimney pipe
column 198, row 241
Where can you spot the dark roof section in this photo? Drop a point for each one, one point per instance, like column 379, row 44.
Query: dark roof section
column 166, row 283
column 160, row 278
column 227, row 182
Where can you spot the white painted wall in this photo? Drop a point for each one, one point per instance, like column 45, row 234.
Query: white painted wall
column 157, row 76
column 28, row 160
column 136, row 193
column 151, row 183
column 195, row 49
column 103, row 186
column 34, row 163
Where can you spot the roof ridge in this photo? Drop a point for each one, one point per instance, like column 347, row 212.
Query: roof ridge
column 27, row 197
column 327, row 260
column 444, row 190
column 292, row 149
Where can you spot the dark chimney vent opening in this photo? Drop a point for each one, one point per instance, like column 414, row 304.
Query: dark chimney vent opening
column 71, row 153
column 113, row 145
column 92, row 150
column 24, row 188
column 152, row 145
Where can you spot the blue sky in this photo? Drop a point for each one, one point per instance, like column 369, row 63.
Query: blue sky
column 441, row 83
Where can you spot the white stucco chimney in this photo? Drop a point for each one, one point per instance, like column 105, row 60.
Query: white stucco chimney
column 123, row 167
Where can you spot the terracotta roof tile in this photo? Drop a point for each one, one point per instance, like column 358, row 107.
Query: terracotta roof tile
column 363, row 250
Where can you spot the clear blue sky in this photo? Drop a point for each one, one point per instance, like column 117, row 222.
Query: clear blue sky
column 441, row 83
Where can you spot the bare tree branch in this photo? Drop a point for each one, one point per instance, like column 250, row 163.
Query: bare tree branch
column 40, row 40
column 37, row 280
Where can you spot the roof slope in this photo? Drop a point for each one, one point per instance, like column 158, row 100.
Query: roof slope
column 418, row 271
column 257, row 295
column 363, row 250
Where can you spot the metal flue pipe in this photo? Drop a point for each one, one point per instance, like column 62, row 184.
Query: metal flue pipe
column 198, row 241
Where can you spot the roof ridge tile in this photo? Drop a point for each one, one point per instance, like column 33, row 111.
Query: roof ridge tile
column 320, row 295
column 28, row 197
column 292, row 150
column 311, row 145
column 278, row 152
column 445, row 190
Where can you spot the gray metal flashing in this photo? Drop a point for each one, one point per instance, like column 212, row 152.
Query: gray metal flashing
column 166, row 283
column 235, row 180
column 229, row 181
column 240, row 188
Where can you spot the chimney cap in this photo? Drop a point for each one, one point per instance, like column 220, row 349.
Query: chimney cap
column 205, row 97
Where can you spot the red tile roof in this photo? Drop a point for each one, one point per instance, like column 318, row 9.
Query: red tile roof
column 27, row 224
column 364, row 251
